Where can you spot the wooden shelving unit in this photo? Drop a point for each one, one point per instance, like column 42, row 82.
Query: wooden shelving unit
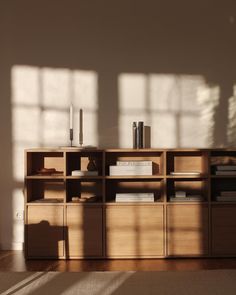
column 96, row 226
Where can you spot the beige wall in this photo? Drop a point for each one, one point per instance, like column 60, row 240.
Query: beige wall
column 169, row 63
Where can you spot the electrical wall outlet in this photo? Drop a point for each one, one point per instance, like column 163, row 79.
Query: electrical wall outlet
column 20, row 215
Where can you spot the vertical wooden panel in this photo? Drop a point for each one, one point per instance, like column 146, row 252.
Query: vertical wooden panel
column 84, row 225
column 45, row 231
column 224, row 230
column 134, row 231
column 187, row 230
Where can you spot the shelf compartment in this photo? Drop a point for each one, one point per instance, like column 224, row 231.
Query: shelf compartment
column 36, row 161
column 87, row 191
column 114, row 186
column 192, row 187
column 80, row 161
column 220, row 157
column 187, row 161
column 156, row 157
column 220, row 184
column 45, row 191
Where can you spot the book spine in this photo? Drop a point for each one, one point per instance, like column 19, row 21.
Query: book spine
column 134, row 163
column 133, row 195
column 226, row 173
column 226, row 167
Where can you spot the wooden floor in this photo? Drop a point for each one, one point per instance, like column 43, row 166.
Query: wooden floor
column 14, row 261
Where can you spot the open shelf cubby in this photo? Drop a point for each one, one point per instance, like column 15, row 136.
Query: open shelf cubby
column 45, row 191
column 83, row 191
column 187, row 162
column 80, row 161
column 37, row 161
column 131, row 186
column 222, row 158
column 192, row 187
column 157, row 158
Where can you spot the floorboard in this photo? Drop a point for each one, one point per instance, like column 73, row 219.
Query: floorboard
column 14, row 261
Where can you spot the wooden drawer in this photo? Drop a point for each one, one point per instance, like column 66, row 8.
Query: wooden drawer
column 45, row 231
column 187, row 230
column 224, row 230
column 134, row 231
column 84, row 224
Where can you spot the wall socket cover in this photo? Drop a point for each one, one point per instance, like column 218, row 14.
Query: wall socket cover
column 20, row 215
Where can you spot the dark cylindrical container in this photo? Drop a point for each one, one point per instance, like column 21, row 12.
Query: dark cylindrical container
column 140, row 135
column 135, row 135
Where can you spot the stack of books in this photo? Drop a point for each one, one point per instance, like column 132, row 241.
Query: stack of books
column 135, row 197
column 181, row 196
column 225, row 170
column 227, row 196
column 131, row 168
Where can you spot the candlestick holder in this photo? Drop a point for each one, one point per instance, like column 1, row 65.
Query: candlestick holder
column 71, row 137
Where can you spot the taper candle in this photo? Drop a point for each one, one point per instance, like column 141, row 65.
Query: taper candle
column 71, row 116
column 81, row 127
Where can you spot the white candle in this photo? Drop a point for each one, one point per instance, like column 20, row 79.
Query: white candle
column 71, row 116
column 80, row 126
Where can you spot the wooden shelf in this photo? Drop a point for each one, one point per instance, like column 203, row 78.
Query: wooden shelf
column 105, row 228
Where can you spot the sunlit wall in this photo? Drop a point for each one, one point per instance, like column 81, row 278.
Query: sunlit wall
column 178, row 108
column 40, row 117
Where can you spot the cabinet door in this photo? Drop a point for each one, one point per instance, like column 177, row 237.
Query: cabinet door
column 187, row 230
column 44, row 231
column 84, row 226
column 134, row 231
column 224, row 230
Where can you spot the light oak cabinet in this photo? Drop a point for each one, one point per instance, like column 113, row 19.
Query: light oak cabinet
column 84, row 231
column 134, row 231
column 187, row 230
column 45, row 231
column 224, row 230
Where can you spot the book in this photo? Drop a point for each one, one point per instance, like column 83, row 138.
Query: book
column 135, row 197
column 226, row 199
column 227, row 173
column 190, row 173
column 226, row 167
column 192, row 198
column 228, row 194
column 134, row 163
column 130, row 170
column 180, row 194
column 84, row 173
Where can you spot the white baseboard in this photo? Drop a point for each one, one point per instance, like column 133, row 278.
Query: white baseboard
column 12, row 246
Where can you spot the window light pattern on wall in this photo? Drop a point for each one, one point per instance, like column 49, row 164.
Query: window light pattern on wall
column 173, row 105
